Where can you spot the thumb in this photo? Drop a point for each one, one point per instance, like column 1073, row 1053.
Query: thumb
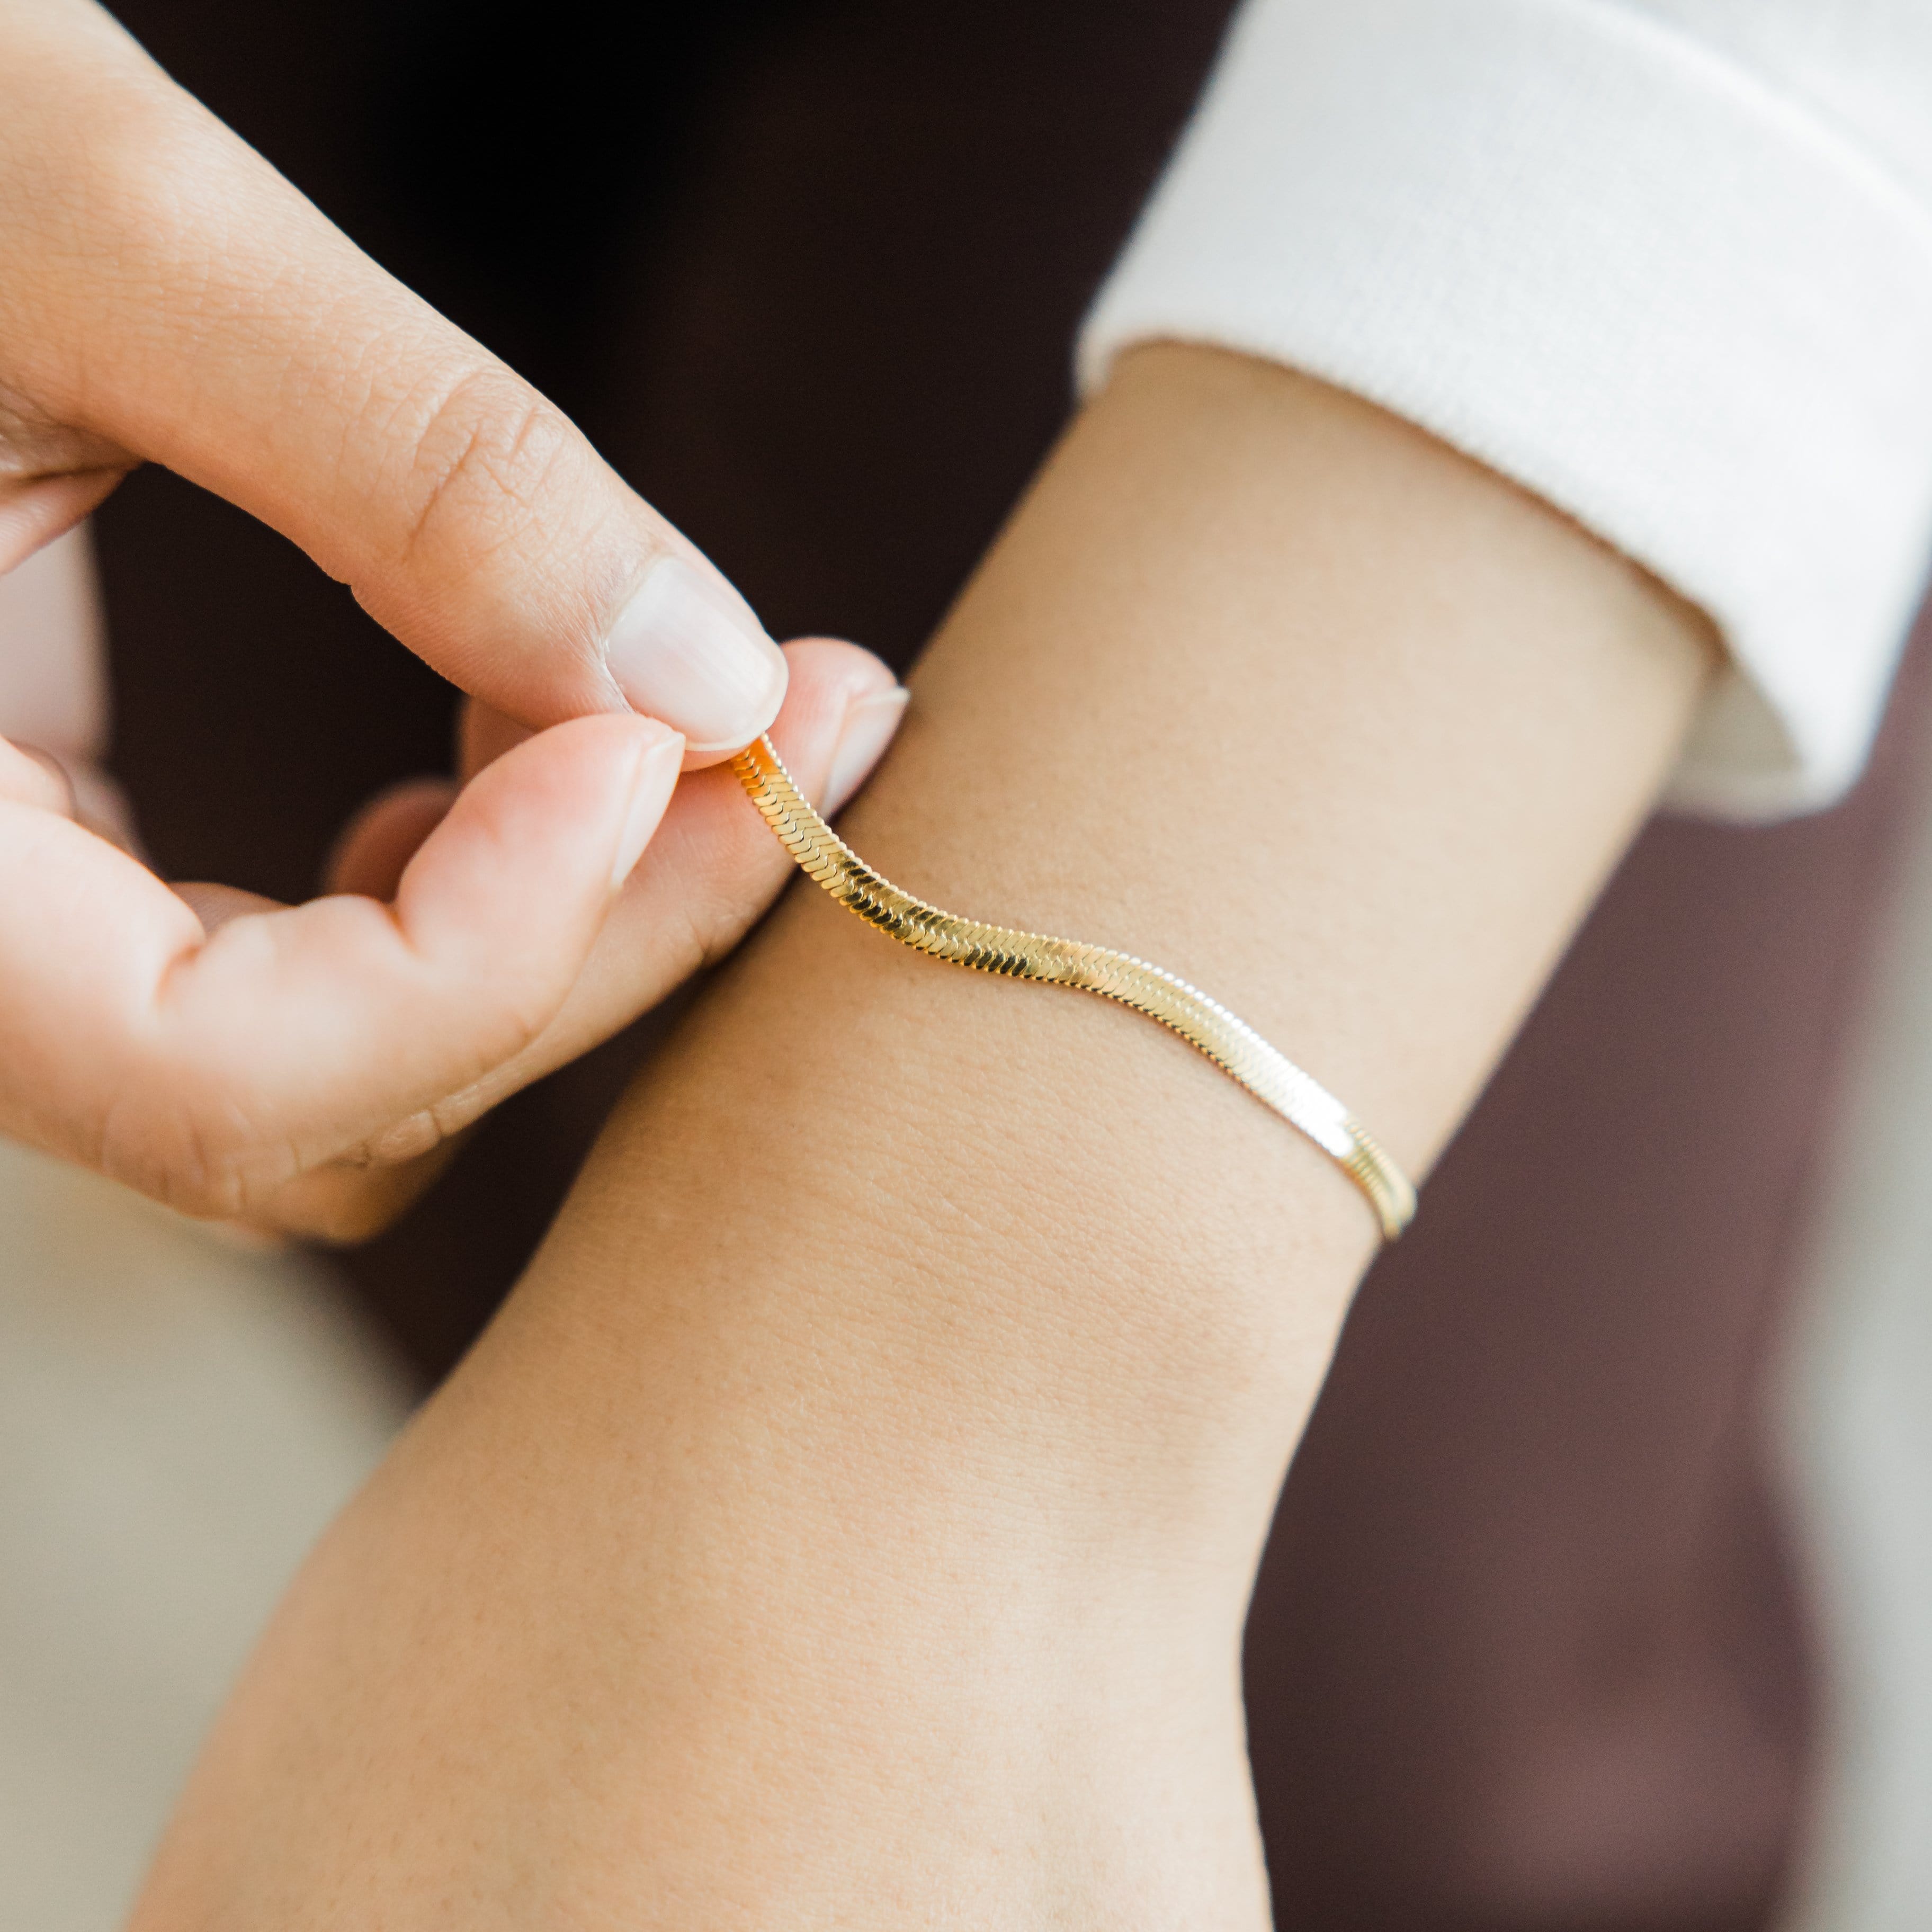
column 169, row 297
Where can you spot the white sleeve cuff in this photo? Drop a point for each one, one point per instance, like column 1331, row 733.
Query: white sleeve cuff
column 1601, row 258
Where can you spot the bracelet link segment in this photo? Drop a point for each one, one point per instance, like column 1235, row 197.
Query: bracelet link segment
column 1207, row 1027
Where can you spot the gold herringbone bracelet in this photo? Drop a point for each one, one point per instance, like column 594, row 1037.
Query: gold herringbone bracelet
column 1231, row 1043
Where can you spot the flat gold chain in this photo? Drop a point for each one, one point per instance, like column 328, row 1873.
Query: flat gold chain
column 1206, row 1025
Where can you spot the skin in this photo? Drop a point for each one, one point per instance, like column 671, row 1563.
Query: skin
column 168, row 298
column 850, row 1519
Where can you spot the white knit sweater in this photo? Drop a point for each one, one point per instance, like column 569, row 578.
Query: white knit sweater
column 1667, row 263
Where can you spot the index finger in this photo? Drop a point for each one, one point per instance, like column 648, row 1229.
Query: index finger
column 169, row 295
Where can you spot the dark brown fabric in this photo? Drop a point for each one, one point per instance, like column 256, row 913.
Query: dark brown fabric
column 1526, row 1651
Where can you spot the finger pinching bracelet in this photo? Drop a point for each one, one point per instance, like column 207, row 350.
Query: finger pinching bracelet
column 1231, row 1043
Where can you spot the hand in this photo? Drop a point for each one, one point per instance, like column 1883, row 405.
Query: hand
column 710, row 869
column 168, row 297
column 304, row 1069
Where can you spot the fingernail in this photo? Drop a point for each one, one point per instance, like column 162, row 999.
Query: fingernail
column 651, row 788
column 869, row 729
column 687, row 649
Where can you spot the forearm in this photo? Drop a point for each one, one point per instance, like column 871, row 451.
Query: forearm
column 1263, row 686
column 870, row 1471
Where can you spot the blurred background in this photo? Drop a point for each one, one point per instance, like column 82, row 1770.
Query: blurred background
column 1601, row 1598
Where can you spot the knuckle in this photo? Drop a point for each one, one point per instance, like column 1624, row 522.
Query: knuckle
column 406, row 1140
column 484, row 469
column 193, row 1151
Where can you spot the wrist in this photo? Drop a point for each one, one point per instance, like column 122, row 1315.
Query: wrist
column 1096, row 1356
